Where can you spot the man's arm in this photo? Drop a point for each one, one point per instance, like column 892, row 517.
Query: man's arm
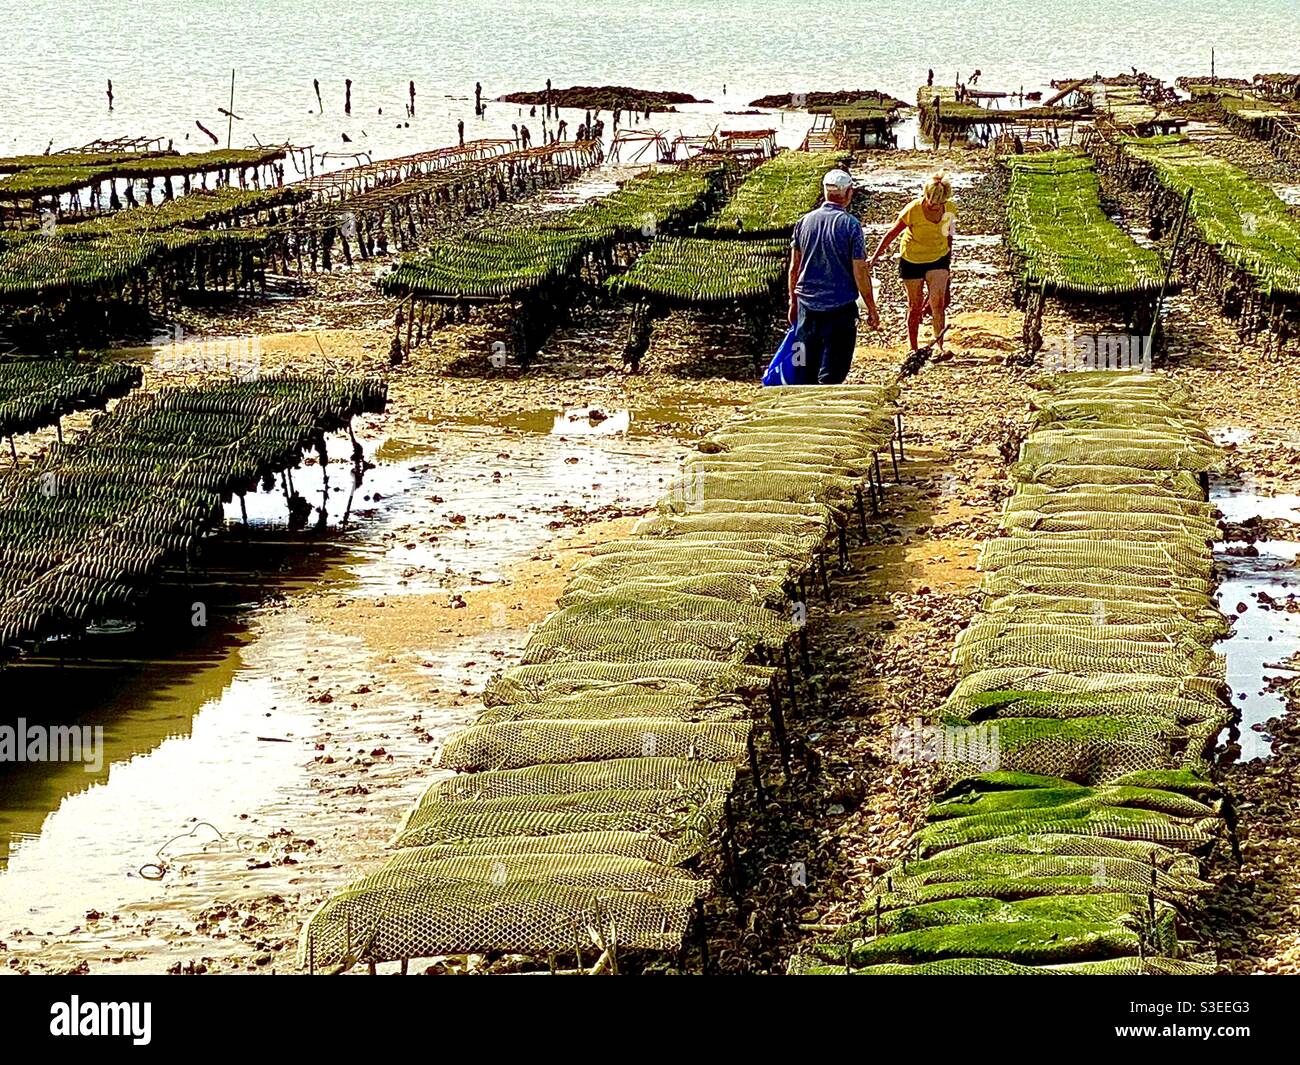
column 796, row 261
column 862, row 275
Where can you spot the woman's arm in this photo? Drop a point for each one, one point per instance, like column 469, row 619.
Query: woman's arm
column 886, row 241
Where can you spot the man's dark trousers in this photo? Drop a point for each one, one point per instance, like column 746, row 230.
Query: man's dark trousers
column 828, row 338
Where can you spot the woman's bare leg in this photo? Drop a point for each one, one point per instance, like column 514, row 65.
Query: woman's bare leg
column 937, row 282
column 915, row 309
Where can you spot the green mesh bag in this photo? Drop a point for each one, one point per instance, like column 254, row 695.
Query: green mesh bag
column 515, row 744
column 811, row 531
column 634, row 774
column 1104, row 498
column 811, row 965
column 535, row 905
column 545, row 682
column 1091, row 691
column 1185, row 563
column 1028, row 942
column 642, row 845
column 1108, row 611
column 685, row 817
column 765, row 484
column 1135, row 480
column 627, row 641
column 1117, row 822
column 1093, row 749
column 756, row 590
column 1182, row 867
column 600, row 703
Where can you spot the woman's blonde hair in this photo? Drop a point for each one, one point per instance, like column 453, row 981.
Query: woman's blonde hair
column 938, row 190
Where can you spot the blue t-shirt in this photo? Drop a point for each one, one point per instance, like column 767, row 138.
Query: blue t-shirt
column 828, row 239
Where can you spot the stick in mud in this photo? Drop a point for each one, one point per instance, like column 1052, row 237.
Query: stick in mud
column 347, row 96
column 320, row 104
column 110, row 94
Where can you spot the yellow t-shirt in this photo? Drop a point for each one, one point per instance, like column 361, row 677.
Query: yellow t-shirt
column 925, row 241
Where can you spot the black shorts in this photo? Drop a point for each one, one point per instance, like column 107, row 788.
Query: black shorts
column 910, row 271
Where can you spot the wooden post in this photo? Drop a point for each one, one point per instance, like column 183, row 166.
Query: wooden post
column 230, row 117
column 1169, row 269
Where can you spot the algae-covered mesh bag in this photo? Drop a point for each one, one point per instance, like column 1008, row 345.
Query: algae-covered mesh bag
column 667, row 608
column 1117, row 822
column 812, row 964
column 549, row 681
column 767, row 590
column 1184, row 561
column 1134, row 524
column 632, row 774
column 534, row 904
column 516, row 744
column 830, row 489
column 812, row 530
column 630, row 642
column 1181, row 868
column 640, row 845
column 1061, row 694
column 1101, row 474
column 595, row 704
column 703, row 548
column 1123, row 446
column 1028, row 942
column 978, row 870
column 1089, row 749
column 685, row 816
column 1122, row 497
column 778, row 460
column 1113, row 582
column 1108, row 610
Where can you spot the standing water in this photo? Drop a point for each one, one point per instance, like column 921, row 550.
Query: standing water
column 1259, row 587
column 170, row 62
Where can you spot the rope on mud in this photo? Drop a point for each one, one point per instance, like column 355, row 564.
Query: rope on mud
column 158, row 869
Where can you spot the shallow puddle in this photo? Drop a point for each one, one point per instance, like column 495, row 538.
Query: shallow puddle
column 1259, row 584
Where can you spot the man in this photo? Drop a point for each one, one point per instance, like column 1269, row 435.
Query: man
column 828, row 270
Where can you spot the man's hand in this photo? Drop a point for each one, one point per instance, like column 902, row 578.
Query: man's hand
column 873, row 318
column 796, row 265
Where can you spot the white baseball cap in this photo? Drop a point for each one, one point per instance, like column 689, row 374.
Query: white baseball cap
column 837, row 179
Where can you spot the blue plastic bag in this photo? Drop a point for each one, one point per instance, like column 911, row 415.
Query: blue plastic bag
column 782, row 370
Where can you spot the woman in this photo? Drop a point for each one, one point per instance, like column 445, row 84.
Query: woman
column 927, row 226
